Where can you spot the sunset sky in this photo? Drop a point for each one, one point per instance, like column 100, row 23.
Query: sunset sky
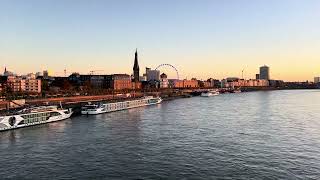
column 202, row 38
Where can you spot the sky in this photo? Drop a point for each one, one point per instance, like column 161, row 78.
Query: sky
column 201, row 38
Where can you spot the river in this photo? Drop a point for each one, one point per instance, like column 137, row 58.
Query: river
column 256, row 135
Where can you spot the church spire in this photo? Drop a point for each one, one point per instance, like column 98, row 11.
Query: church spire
column 136, row 64
column 136, row 67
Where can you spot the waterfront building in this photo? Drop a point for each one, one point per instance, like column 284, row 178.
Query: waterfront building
column 257, row 76
column 15, row 84
column 99, row 81
column 28, row 83
column 264, row 72
column 206, row 84
column 164, row 83
column 94, row 81
column 59, row 83
column 32, row 84
column 246, row 83
column 214, row 82
column 114, row 81
column 300, row 85
column 121, row 81
column 186, row 83
column 316, row 80
column 276, row 83
column 136, row 85
column 150, row 84
column 223, row 82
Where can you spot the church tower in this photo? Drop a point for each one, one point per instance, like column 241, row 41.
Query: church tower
column 136, row 68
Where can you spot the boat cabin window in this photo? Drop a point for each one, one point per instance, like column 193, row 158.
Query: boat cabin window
column 90, row 107
column 54, row 114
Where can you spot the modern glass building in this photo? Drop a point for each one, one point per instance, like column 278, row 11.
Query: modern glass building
column 264, row 72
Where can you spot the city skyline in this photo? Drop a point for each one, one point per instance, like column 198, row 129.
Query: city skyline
column 204, row 39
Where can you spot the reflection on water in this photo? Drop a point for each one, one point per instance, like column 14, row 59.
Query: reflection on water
column 258, row 135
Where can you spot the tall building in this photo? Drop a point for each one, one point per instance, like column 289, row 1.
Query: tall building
column 136, row 68
column 316, row 79
column 264, row 72
column 153, row 75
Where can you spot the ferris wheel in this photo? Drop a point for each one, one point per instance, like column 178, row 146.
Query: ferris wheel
column 171, row 66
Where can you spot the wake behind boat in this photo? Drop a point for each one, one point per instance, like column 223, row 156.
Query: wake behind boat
column 92, row 109
column 33, row 116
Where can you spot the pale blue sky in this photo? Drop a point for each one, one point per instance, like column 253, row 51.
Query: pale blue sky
column 202, row 38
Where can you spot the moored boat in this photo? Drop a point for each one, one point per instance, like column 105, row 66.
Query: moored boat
column 210, row 93
column 33, row 116
column 92, row 109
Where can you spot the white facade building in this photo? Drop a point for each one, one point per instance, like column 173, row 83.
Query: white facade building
column 27, row 83
column 164, row 82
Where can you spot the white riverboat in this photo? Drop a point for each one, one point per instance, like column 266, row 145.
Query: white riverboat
column 33, row 116
column 92, row 109
column 210, row 93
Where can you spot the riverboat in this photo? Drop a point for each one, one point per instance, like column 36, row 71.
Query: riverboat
column 210, row 93
column 33, row 116
column 93, row 109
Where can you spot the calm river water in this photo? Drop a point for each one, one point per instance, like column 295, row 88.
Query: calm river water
column 257, row 135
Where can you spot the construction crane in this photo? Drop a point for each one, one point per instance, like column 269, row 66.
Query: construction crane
column 92, row 72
